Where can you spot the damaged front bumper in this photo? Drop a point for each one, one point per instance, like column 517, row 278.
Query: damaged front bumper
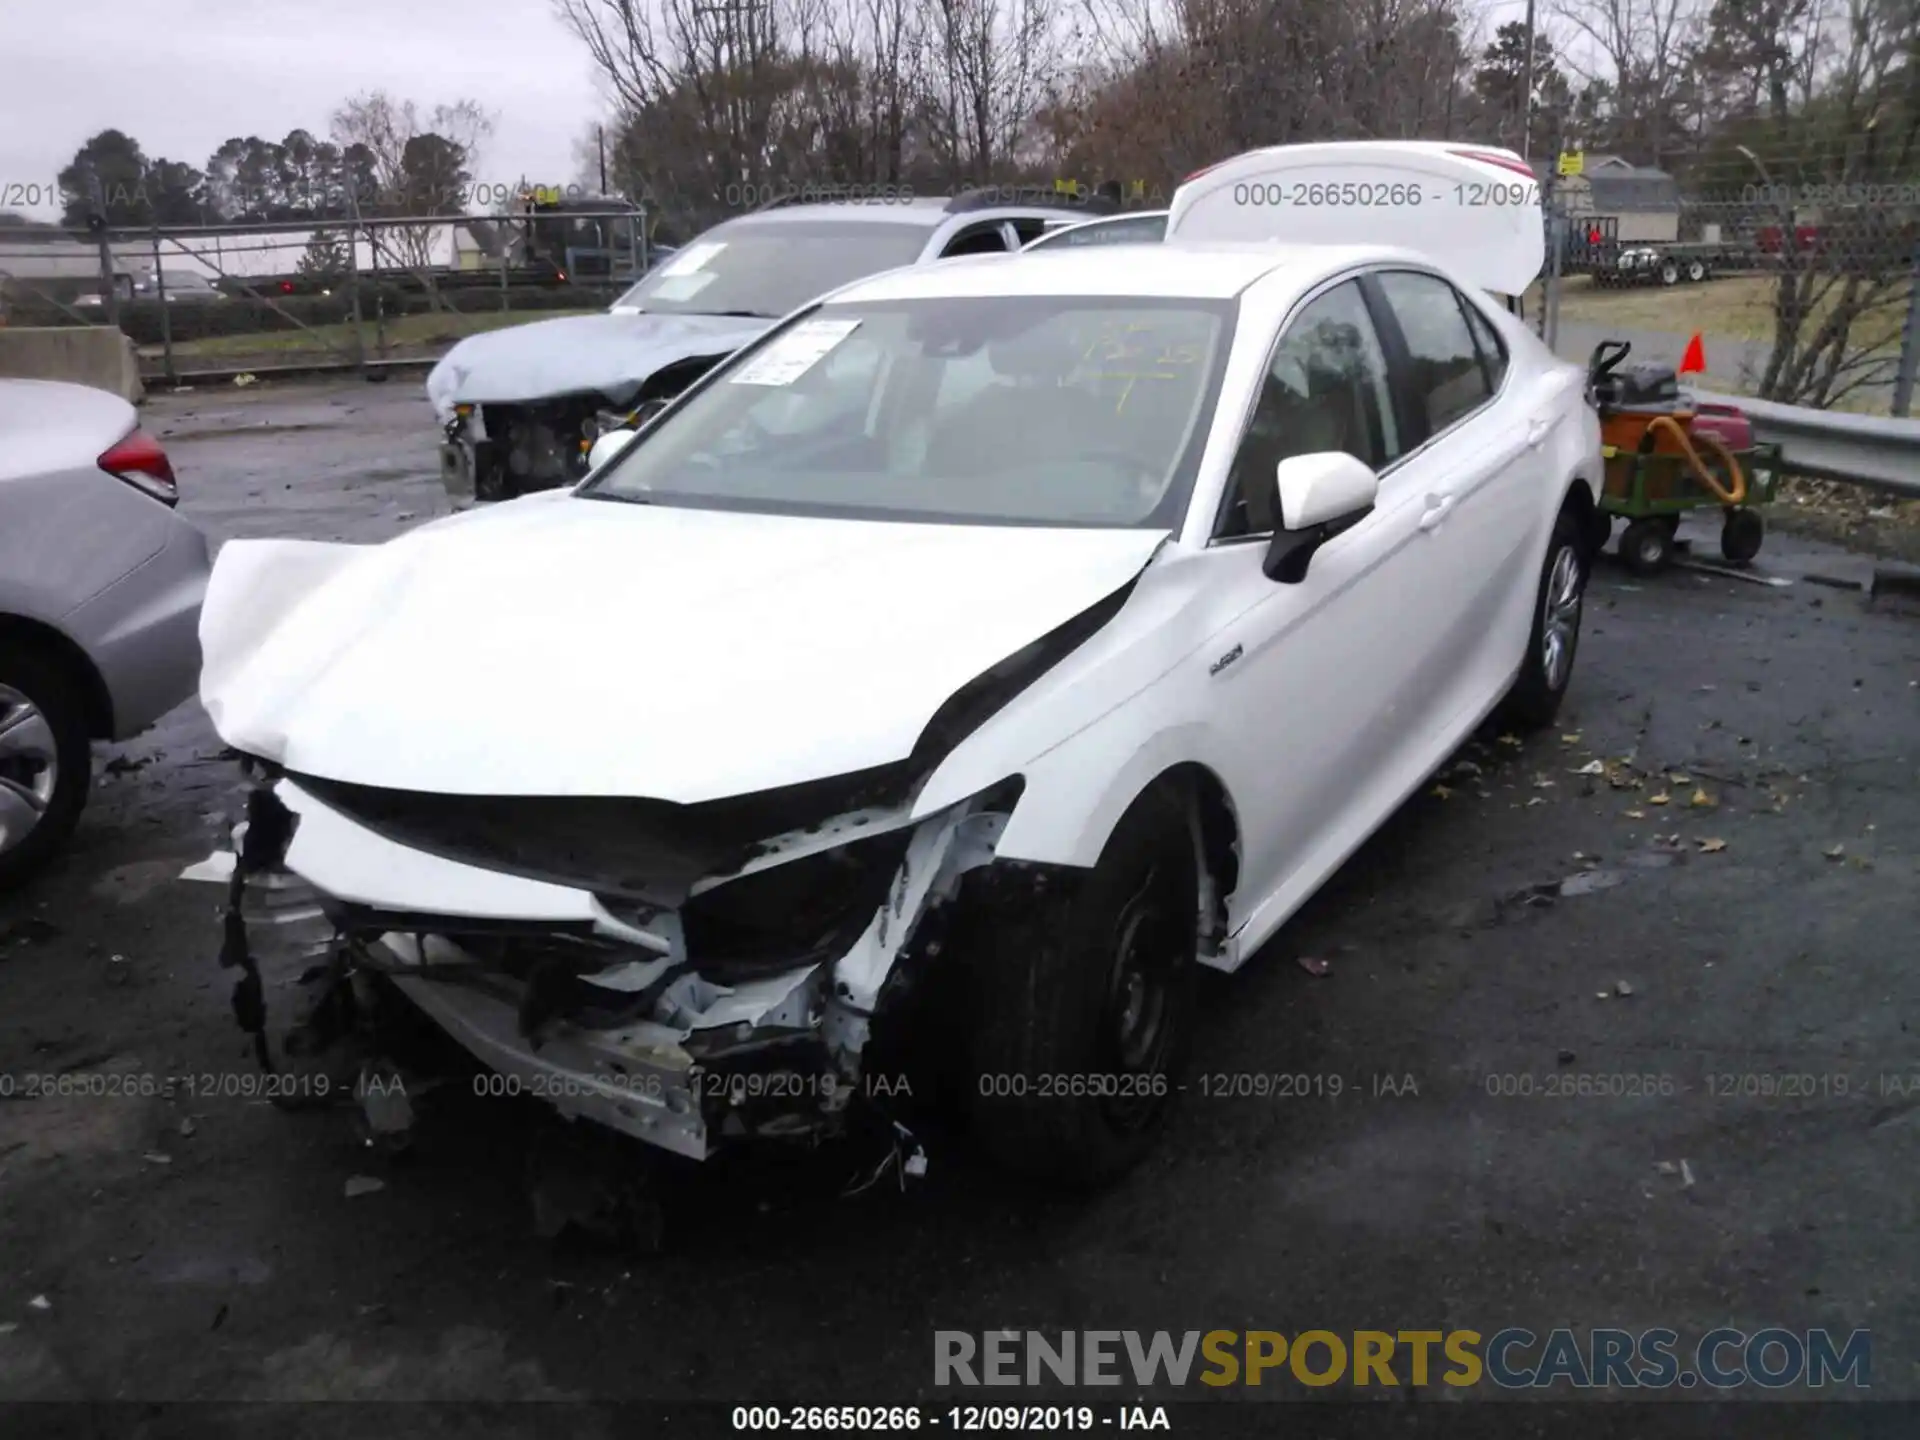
column 690, row 1026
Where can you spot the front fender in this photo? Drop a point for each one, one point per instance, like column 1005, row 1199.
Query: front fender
column 1076, row 794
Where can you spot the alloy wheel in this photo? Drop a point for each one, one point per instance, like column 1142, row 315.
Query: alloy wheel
column 29, row 767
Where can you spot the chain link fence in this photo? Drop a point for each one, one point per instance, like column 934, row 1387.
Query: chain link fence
column 1802, row 289
column 346, row 293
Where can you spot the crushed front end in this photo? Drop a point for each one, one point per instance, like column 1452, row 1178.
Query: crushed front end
column 691, row 976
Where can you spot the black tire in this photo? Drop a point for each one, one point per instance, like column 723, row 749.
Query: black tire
column 1553, row 640
column 1646, row 546
column 1696, row 271
column 1051, row 1003
column 1741, row 534
column 1669, row 273
column 30, row 678
column 1601, row 532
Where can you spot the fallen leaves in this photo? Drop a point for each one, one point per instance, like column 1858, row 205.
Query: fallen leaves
column 1592, row 767
column 1835, row 851
column 1712, row 846
column 1661, row 799
column 1441, row 792
column 1573, row 739
column 1635, row 814
column 1512, row 742
column 1702, row 800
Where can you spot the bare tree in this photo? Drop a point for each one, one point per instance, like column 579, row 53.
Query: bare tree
column 1837, row 302
column 422, row 162
column 1643, row 51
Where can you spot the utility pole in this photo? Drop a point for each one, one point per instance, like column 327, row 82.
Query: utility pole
column 600, row 140
column 1526, row 92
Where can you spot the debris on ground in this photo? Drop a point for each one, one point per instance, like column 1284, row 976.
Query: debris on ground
column 358, row 1185
column 242, row 381
column 1835, row 851
column 1635, row 814
column 1312, row 964
column 383, row 1103
column 1622, row 987
column 1712, row 846
column 187, row 1127
column 1661, row 799
column 1776, row 582
column 1513, row 742
column 1686, row 1175
column 1441, row 792
column 1589, row 881
column 39, row 1302
column 1702, row 800
column 1592, row 767
column 1666, row 1167
column 217, row 868
column 126, row 764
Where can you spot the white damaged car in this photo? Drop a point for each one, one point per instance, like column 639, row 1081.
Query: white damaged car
column 950, row 673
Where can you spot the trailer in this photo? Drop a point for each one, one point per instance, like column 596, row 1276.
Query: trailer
column 1680, row 263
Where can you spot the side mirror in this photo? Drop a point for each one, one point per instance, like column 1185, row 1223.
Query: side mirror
column 1320, row 495
column 606, row 446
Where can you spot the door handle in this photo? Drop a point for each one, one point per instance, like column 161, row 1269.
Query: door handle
column 1437, row 508
column 1537, row 433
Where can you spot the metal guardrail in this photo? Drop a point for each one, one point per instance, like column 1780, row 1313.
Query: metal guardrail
column 1871, row 450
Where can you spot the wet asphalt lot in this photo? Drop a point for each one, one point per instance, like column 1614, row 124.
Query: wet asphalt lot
column 205, row 1249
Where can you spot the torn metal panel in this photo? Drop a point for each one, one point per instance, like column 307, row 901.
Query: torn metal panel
column 743, row 1012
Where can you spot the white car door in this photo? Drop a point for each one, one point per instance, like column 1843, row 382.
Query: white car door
column 1316, row 682
column 1482, row 462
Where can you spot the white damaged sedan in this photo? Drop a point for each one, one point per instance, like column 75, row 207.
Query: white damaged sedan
column 949, row 674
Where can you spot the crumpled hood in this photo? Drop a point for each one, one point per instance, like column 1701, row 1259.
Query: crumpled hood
column 610, row 353
column 566, row 646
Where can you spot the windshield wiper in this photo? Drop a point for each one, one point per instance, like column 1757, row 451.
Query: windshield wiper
column 735, row 314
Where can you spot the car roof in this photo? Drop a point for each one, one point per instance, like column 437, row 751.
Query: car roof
column 927, row 210
column 1184, row 269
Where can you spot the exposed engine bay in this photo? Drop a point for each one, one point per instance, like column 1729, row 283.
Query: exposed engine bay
column 686, row 975
column 498, row 451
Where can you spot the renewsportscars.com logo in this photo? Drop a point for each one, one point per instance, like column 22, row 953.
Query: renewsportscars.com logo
column 1511, row 1359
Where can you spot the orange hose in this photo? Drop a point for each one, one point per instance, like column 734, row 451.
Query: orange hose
column 1738, row 493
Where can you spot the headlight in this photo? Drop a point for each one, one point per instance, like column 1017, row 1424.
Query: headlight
column 787, row 915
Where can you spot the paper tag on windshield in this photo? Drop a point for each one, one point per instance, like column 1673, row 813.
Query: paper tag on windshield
column 794, row 353
column 681, row 287
column 692, row 258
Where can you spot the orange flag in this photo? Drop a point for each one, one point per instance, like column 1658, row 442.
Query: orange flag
column 1694, row 362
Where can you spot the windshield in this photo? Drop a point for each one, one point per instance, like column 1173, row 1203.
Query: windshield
column 773, row 267
column 1039, row 410
column 1128, row 230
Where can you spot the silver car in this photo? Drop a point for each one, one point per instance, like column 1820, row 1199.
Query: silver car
column 100, row 590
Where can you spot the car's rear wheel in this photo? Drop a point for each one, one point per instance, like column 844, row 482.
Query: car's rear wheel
column 1554, row 640
column 46, row 764
column 1082, row 1008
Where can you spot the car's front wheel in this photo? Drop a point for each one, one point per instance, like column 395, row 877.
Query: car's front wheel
column 1554, row 640
column 46, row 765
column 1082, row 1005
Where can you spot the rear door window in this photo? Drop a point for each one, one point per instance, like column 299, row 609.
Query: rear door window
column 1444, row 370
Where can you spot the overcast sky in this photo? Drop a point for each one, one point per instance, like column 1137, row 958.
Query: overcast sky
column 184, row 75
